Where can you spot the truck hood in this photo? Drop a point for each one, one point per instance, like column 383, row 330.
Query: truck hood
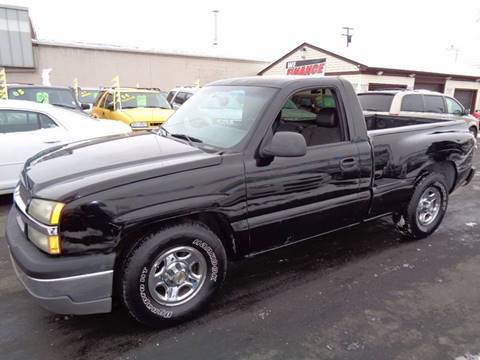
column 148, row 114
column 85, row 167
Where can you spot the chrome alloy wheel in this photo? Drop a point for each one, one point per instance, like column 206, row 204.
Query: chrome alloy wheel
column 177, row 275
column 428, row 207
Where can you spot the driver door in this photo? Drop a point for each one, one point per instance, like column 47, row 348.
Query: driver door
column 291, row 199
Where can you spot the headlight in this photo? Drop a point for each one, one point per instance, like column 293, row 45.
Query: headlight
column 48, row 243
column 139, row 124
column 47, row 212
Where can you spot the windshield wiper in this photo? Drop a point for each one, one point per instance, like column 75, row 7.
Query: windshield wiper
column 190, row 139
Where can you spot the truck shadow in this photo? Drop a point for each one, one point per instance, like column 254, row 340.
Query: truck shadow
column 249, row 281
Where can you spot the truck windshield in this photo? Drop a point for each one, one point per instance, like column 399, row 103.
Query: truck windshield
column 376, row 102
column 220, row 116
column 45, row 95
column 131, row 100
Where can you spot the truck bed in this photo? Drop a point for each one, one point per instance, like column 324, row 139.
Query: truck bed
column 380, row 121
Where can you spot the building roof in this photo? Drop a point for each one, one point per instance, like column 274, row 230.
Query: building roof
column 117, row 48
column 367, row 64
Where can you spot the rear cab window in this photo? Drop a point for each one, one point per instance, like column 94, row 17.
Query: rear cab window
column 376, row 102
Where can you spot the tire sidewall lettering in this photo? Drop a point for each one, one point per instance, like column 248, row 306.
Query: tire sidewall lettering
column 211, row 256
column 146, row 299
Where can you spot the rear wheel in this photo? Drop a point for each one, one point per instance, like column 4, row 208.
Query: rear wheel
column 172, row 274
column 426, row 208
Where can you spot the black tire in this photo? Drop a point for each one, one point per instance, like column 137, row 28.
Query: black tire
column 139, row 296
column 410, row 222
column 473, row 131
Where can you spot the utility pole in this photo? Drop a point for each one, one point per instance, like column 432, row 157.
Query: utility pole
column 215, row 27
column 454, row 50
column 348, row 35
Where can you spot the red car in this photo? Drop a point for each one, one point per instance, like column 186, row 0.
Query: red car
column 477, row 114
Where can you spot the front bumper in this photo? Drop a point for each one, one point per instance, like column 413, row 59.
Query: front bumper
column 63, row 285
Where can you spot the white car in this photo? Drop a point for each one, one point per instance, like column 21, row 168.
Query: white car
column 27, row 128
column 417, row 103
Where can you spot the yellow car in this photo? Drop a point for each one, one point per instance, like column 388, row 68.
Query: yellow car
column 140, row 108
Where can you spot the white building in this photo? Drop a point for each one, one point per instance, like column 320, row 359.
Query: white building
column 308, row 59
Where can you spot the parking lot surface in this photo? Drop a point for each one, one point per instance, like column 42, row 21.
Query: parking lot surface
column 362, row 293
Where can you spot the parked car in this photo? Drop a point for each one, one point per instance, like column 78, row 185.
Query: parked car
column 54, row 95
column 419, row 103
column 477, row 114
column 153, row 219
column 177, row 96
column 27, row 128
column 141, row 109
column 88, row 96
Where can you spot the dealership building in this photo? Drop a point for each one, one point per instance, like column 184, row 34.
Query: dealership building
column 310, row 60
column 30, row 60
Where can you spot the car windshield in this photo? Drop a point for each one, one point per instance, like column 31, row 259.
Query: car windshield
column 87, row 96
column 45, row 95
column 376, row 102
column 220, row 116
column 131, row 100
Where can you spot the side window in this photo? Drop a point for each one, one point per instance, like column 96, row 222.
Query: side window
column 434, row 104
column 188, row 96
column 313, row 114
column 99, row 100
column 453, row 107
column 412, row 102
column 12, row 121
column 46, row 122
column 108, row 100
column 170, row 96
column 180, row 98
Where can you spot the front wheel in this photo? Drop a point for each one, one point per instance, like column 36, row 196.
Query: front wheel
column 426, row 208
column 172, row 274
column 473, row 131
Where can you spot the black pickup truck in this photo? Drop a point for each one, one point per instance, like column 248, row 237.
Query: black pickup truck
column 245, row 166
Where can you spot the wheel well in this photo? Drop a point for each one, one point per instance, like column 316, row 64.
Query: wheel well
column 446, row 168
column 216, row 222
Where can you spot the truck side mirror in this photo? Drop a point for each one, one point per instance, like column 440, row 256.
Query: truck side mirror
column 286, row 144
column 110, row 106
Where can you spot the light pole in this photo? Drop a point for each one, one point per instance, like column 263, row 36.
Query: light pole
column 215, row 25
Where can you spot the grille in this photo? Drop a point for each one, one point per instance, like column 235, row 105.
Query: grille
column 24, row 195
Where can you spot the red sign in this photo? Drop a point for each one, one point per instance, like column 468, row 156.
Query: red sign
column 306, row 67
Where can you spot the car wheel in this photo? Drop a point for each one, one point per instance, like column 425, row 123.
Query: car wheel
column 172, row 274
column 473, row 131
column 426, row 208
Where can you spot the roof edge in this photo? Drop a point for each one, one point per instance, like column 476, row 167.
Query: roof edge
column 117, row 48
column 350, row 61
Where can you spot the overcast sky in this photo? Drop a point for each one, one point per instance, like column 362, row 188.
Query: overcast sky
column 401, row 30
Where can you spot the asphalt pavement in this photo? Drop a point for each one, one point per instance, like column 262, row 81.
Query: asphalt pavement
column 362, row 293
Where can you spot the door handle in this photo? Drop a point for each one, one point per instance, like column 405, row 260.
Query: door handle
column 348, row 163
column 51, row 141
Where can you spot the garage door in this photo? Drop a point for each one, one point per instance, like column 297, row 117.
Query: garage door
column 375, row 86
column 426, row 86
column 466, row 97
